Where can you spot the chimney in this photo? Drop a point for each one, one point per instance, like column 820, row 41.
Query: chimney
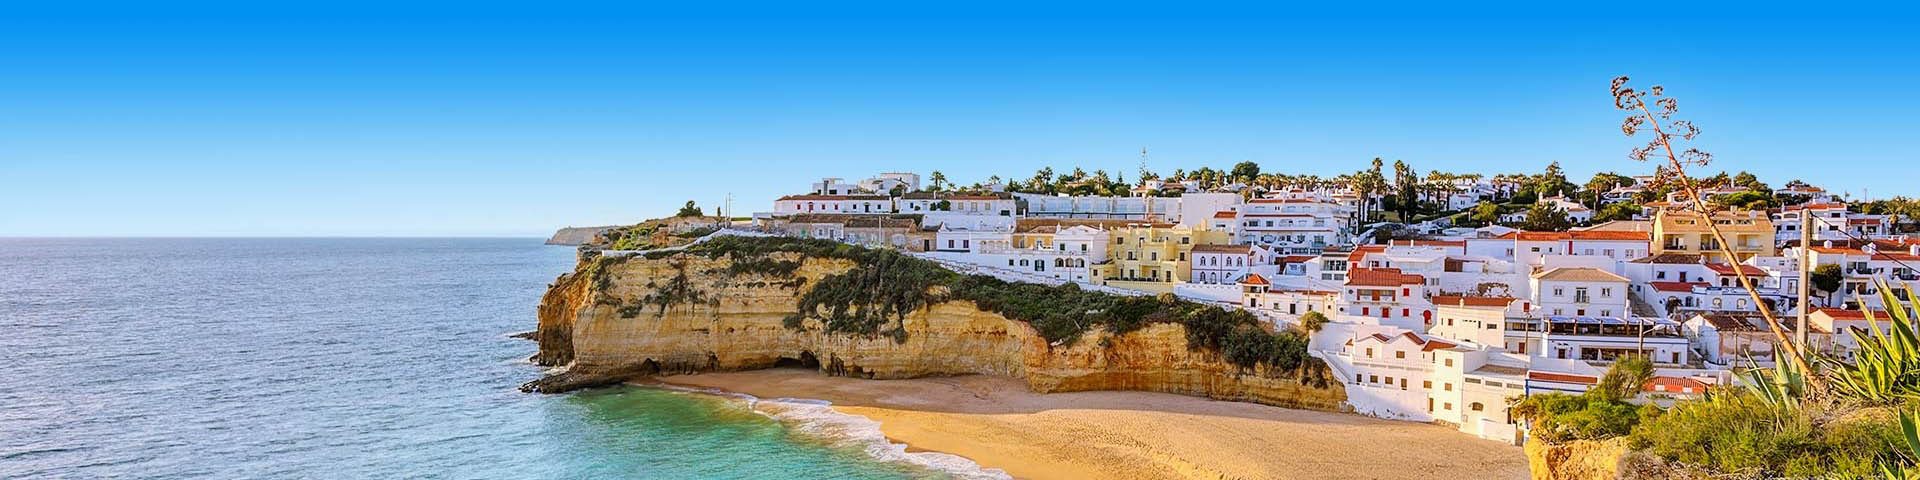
column 1827, row 244
column 1913, row 249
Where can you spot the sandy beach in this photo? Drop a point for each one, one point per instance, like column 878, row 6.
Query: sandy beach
column 997, row 422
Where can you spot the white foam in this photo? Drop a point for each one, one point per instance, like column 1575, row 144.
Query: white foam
column 817, row 418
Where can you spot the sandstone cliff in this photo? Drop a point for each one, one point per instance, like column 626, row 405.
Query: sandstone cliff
column 618, row 318
column 1605, row 460
column 575, row 235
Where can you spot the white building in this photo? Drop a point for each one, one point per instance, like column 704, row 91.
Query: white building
column 1580, row 292
column 829, row 203
column 1001, row 204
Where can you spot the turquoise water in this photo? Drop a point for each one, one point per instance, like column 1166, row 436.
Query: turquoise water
column 344, row 358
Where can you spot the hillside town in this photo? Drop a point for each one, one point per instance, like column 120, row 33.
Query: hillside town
column 1435, row 298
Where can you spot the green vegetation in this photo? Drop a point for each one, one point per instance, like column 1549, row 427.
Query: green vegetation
column 1602, row 412
column 689, row 210
column 1313, row 321
column 1545, row 218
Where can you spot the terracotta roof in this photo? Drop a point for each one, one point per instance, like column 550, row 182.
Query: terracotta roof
column 1578, row 235
column 1725, row 269
column 1816, row 206
column 1878, row 255
column 1360, row 252
column 1240, row 249
column 1674, row 385
column 1844, row 314
column 1669, row 259
column 1255, row 279
column 1466, row 301
column 1579, row 274
column 835, row 197
column 1426, row 345
column 1429, row 243
column 1382, row 277
column 1224, row 214
column 1561, row 377
column 1865, row 221
column 1677, row 286
column 1298, row 258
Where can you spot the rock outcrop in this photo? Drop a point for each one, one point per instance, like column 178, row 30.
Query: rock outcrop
column 575, row 235
column 615, row 319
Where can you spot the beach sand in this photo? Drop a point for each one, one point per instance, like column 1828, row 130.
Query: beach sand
column 997, row 422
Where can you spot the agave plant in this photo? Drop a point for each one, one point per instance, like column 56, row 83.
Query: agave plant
column 1784, row 387
column 1910, row 432
column 1886, row 369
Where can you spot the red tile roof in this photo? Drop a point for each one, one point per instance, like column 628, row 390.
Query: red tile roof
column 834, row 197
column 1382, row 277
column 1255, row 279
column 1844, row 314
column 1467, row 301
column 1677, row 286
column 1224, row 214
column 1561, row 377
column 1239, row 249
column 1298, row 258
column 1674, row 385
column 1360, row 252
column 1578, row 235
column 1725, row 269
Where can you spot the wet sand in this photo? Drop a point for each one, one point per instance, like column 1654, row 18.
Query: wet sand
column 997, row 422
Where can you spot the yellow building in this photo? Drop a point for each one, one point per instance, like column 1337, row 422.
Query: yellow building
column 1750, row 232
column 1154, row 257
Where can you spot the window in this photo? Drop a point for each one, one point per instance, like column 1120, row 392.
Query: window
column 1449, row 387
column 1369, row 353
column 1399, row 354
column 1373, row 379
column 1426, row 384
column 1449, row 405
column 1476, row 406
column 1559, row 291
column 1449, row 363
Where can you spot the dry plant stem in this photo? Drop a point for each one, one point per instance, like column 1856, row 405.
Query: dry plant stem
column 1700, row 207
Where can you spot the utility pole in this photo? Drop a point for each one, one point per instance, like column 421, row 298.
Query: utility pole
column 1805, row 263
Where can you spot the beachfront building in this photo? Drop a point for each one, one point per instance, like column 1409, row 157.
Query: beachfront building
column 1749, row 233
column 1848, row 327
column 1001, row 204
column 1153, row 256
column 1728, row 339
column 1580, row 292
column 1889, row 261
column 1191, row 210
column 1292, row 223
column 829, row 203
column 1676, row 285
column 1386, row 296
column 889, row 182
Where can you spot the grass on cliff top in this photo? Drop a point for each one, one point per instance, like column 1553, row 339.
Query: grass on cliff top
column 885, row 286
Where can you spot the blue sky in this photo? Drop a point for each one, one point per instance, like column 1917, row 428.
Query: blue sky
column 124, row 120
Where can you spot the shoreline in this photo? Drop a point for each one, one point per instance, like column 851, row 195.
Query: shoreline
column 1001, row 425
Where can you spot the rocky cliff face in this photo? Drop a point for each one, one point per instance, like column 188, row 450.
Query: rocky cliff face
column 575, row 235
column 1605, row 460
column 615, row 319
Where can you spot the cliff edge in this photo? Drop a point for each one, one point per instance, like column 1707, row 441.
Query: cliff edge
column 624, row 317
column 576, row 235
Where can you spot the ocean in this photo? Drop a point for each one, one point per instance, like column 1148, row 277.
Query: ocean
column 354, row 358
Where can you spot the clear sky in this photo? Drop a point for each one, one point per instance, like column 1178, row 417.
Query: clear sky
column 463, row 119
